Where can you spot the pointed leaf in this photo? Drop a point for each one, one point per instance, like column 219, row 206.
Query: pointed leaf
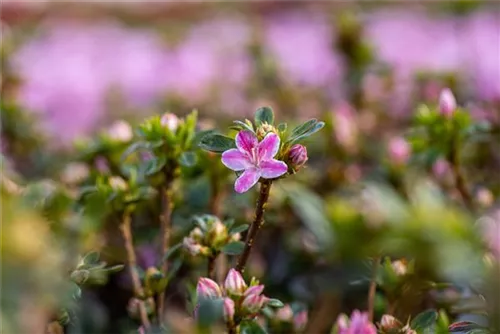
column 91, row 258
column 251, row 327
column 239, row 229
column 233, row 248
column 187, row 159
column 424, row 320
column 216, row 143
column 243, row 126
column 276, row 303
column 264, row 115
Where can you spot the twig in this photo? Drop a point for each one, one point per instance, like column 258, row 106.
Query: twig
column 257, row 223
column 373, row 288
column 211, row 266
column 126, row 230
column 165, row 231
column 460, row 182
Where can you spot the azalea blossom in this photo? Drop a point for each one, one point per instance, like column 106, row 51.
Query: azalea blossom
column 255, row 158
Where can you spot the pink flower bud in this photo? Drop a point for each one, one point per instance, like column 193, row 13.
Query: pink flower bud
column 170, row 121
column 120, row 131
column 342, row 323
column 228, row 309
column 447, row 103
column 300, row 320
column 191, row 246
column 253, row 303
column 440, row 168
column 399, row 267
column 297, row 156
column 234, row 283
column 284, row 314
column 208, row 289
column 254, row 290
column 399, row 151
column 388, row 323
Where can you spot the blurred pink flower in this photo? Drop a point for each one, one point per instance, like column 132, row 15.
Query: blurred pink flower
column 302, row 46
column 399, row 151
column 358, row 324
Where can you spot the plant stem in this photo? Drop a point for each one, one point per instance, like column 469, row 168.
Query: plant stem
column 165, row 231
column 257, row 223
column 373, row 288
column 460, row 182
column 211, row 266
column 126, row 230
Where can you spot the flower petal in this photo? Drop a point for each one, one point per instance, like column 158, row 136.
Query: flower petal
column 246, row 141
column 235, row 160
column 269, row 146
column 271, row 169
column 247, row 180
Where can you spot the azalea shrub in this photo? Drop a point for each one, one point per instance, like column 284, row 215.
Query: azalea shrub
column 310, row 212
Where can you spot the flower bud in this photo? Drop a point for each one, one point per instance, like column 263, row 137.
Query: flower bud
column 254, row 290
column 191, row 246
column 196, row 234
column 218, row 234
column 155, row 280
column 234, row 283
column 390, row 324
column 399, row 151
column 208, row 289
column 170, row 121
column 300, row 320
column 80, row 276
column 120, row 131
column 342, row 323
column 284, row 314
column 297, row 156
column 253, row 303
column 264, row 129
column 447, row 103
column 75, row 173
column 399, row 267
column 235, row 237
column 101, row 164
column 228, row 309
column 117, row 183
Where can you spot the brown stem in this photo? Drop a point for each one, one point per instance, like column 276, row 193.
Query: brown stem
column 257, row 223
column 324, row 312
column 216, row 195
column 211, row 267
column 165, row 231
column 126, row 229
column 373, row 288
column 460, row 182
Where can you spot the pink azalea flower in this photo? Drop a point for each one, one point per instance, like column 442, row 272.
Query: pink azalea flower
column 254, row 158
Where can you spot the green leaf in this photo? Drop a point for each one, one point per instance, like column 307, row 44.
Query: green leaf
column 115, row 268
column 251, row 327
column 233, row 248
column 239, row 229
column 216, row 143
column 187, row 159
column 174, row 268
column 282, row 127
column 154, row 165
column 275, row 303
column 229, row 223
column 318, row 126
column 239, row 125
column 466, row 326
column 91, row 258
column 424, row 320
column 264, row 115
column 134, row 147
column 305, row 130
column 171, row 251
column 209, row 311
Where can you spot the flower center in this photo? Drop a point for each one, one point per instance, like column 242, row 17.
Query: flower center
column 254, row 157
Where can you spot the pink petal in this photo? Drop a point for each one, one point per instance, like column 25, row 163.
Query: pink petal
column 235, row 160
column 271, row 169
column 246, row 141
column 269, row 146
column 247, row 180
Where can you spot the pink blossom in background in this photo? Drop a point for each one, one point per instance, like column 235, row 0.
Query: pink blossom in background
column 68, row 70
column 302, row 46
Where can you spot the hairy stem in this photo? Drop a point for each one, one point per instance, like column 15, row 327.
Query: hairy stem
column 126, row 229
column 257, row 223
column 165, row 231
column 372, row 290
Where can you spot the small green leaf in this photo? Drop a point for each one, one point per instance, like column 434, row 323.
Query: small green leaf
column 216, row 143
column 116, row 268
column 264, row 115
column 282, row 127
column 233, row 248
column 424, row 320
column 171, row 251
column 239, row 229
column 91, row 258
column 154, row 165
column 134, row 147
column 239, row 125
column 229, row 223
column 315, row 128
column 187, row 159
column 251, row 327
column 276, row 303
